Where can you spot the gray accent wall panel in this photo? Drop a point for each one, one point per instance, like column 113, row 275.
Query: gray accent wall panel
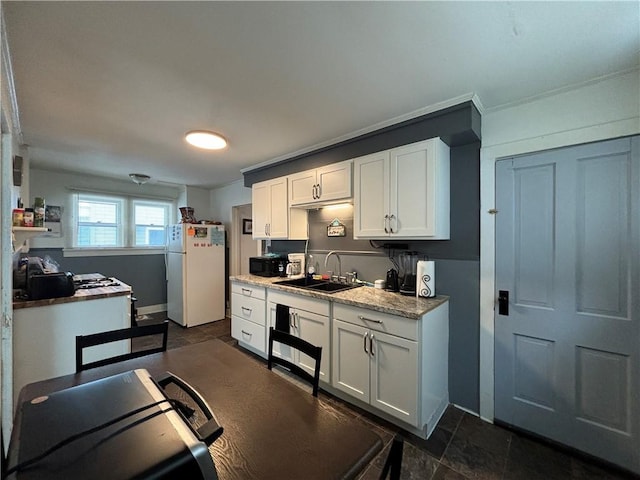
column 144, row 273
column 461, row 281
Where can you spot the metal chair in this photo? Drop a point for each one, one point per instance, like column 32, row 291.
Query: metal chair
column 300, row 345
column 393, row 464
column 86, row 341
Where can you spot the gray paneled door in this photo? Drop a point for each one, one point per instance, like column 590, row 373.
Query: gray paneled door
column 567, row 351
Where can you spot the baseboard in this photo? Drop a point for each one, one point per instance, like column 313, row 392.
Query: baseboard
column 160, row 307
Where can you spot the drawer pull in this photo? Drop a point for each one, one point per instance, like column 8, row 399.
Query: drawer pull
column 248, row 334
column 364, row 342
column 247, row 291
column 245, row 309
column 371, row 345
column 369, row 319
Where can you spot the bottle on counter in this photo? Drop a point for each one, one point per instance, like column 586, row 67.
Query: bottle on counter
column 38, row 212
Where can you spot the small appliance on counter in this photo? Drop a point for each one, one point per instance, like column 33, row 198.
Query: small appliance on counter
column 267, row 265
column 37, row 283
column 408, row 266
column 295, row 267
column 392, row 284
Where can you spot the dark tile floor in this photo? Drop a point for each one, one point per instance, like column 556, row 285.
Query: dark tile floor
column 461, row 447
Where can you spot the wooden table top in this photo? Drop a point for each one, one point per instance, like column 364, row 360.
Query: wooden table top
column 272, row 428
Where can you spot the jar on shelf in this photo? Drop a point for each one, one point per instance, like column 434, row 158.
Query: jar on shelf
column 38, row 212
column 18, row 217
column 29, row 217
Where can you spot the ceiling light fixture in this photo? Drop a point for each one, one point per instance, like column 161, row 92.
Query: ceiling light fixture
column 139, row 178
column 205, row 139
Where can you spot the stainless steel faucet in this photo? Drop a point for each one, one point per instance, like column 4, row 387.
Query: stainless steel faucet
column 326, row 260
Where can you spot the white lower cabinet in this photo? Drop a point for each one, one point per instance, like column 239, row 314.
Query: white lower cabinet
column 248, row 317
column 377, row 368
column 309, row 320
column 396, row 365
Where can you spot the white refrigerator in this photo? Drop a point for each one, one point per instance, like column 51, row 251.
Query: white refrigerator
column 195, row 260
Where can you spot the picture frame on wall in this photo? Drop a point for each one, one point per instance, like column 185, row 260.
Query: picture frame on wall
column 247, row 226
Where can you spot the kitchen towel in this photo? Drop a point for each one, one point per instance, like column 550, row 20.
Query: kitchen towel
column 426, row 279
column 282, row 318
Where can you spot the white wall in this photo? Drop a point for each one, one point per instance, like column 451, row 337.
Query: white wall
column 55, row 188
column 198, row 199
column 603, row 109
column 227, row 196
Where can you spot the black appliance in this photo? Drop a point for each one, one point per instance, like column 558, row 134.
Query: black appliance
column 50, row 285
column 32, row 279
column 392, row 282
column 119, row 427
column 267, row 266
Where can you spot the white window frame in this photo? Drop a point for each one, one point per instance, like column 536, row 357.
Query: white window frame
column 126, row 225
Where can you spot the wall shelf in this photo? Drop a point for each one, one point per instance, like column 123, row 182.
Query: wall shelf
column 22, row 234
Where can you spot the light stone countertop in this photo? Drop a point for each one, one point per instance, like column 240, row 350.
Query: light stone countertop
column 363, row 297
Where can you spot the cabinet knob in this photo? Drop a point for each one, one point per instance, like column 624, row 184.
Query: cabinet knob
column 371, row 345
column 364, row 342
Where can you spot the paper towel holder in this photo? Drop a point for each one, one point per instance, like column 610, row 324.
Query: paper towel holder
column 426, row 279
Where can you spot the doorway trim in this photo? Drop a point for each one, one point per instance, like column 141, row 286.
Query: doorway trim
column 489, row 155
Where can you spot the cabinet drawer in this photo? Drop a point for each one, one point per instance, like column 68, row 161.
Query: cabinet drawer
column 382, row 322
column 249, row 333
column 248, row 308
column 309, row 304
column 247, row 290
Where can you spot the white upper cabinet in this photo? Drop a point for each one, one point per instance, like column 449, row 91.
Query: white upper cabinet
column 272, row 217
column 403, row 193
column 330, row 183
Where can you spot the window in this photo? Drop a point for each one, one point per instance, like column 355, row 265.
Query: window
column 106, row 221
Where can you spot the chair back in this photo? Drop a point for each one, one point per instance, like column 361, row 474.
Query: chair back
column 302, row 346
column 86, row 341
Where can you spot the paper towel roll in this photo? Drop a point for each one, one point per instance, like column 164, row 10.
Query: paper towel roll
column 426, row 283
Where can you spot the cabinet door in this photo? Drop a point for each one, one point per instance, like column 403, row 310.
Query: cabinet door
column 314, row 329
column 394, row 376
column 334, row 181
column 371, row 195
column 260, row 200
column 301, row 187
column 350, row 361
column 419, row 190
column 279, row 220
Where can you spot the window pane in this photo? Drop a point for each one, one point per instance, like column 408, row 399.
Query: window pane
column 97, row 236
column 150, row 221
column 150, row 215
column 150, row 236
column 97, row 212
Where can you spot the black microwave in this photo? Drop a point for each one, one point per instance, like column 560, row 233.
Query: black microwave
column 267, row 266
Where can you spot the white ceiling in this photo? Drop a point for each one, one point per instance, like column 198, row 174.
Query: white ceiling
column 110, row 87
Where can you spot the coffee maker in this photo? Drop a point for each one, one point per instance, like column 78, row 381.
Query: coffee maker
column 408, row 262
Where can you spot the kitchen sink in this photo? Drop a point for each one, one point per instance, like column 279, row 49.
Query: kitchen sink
column 317, row 285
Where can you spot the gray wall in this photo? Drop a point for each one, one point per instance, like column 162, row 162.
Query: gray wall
column 144, row 273
column 457, row 260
